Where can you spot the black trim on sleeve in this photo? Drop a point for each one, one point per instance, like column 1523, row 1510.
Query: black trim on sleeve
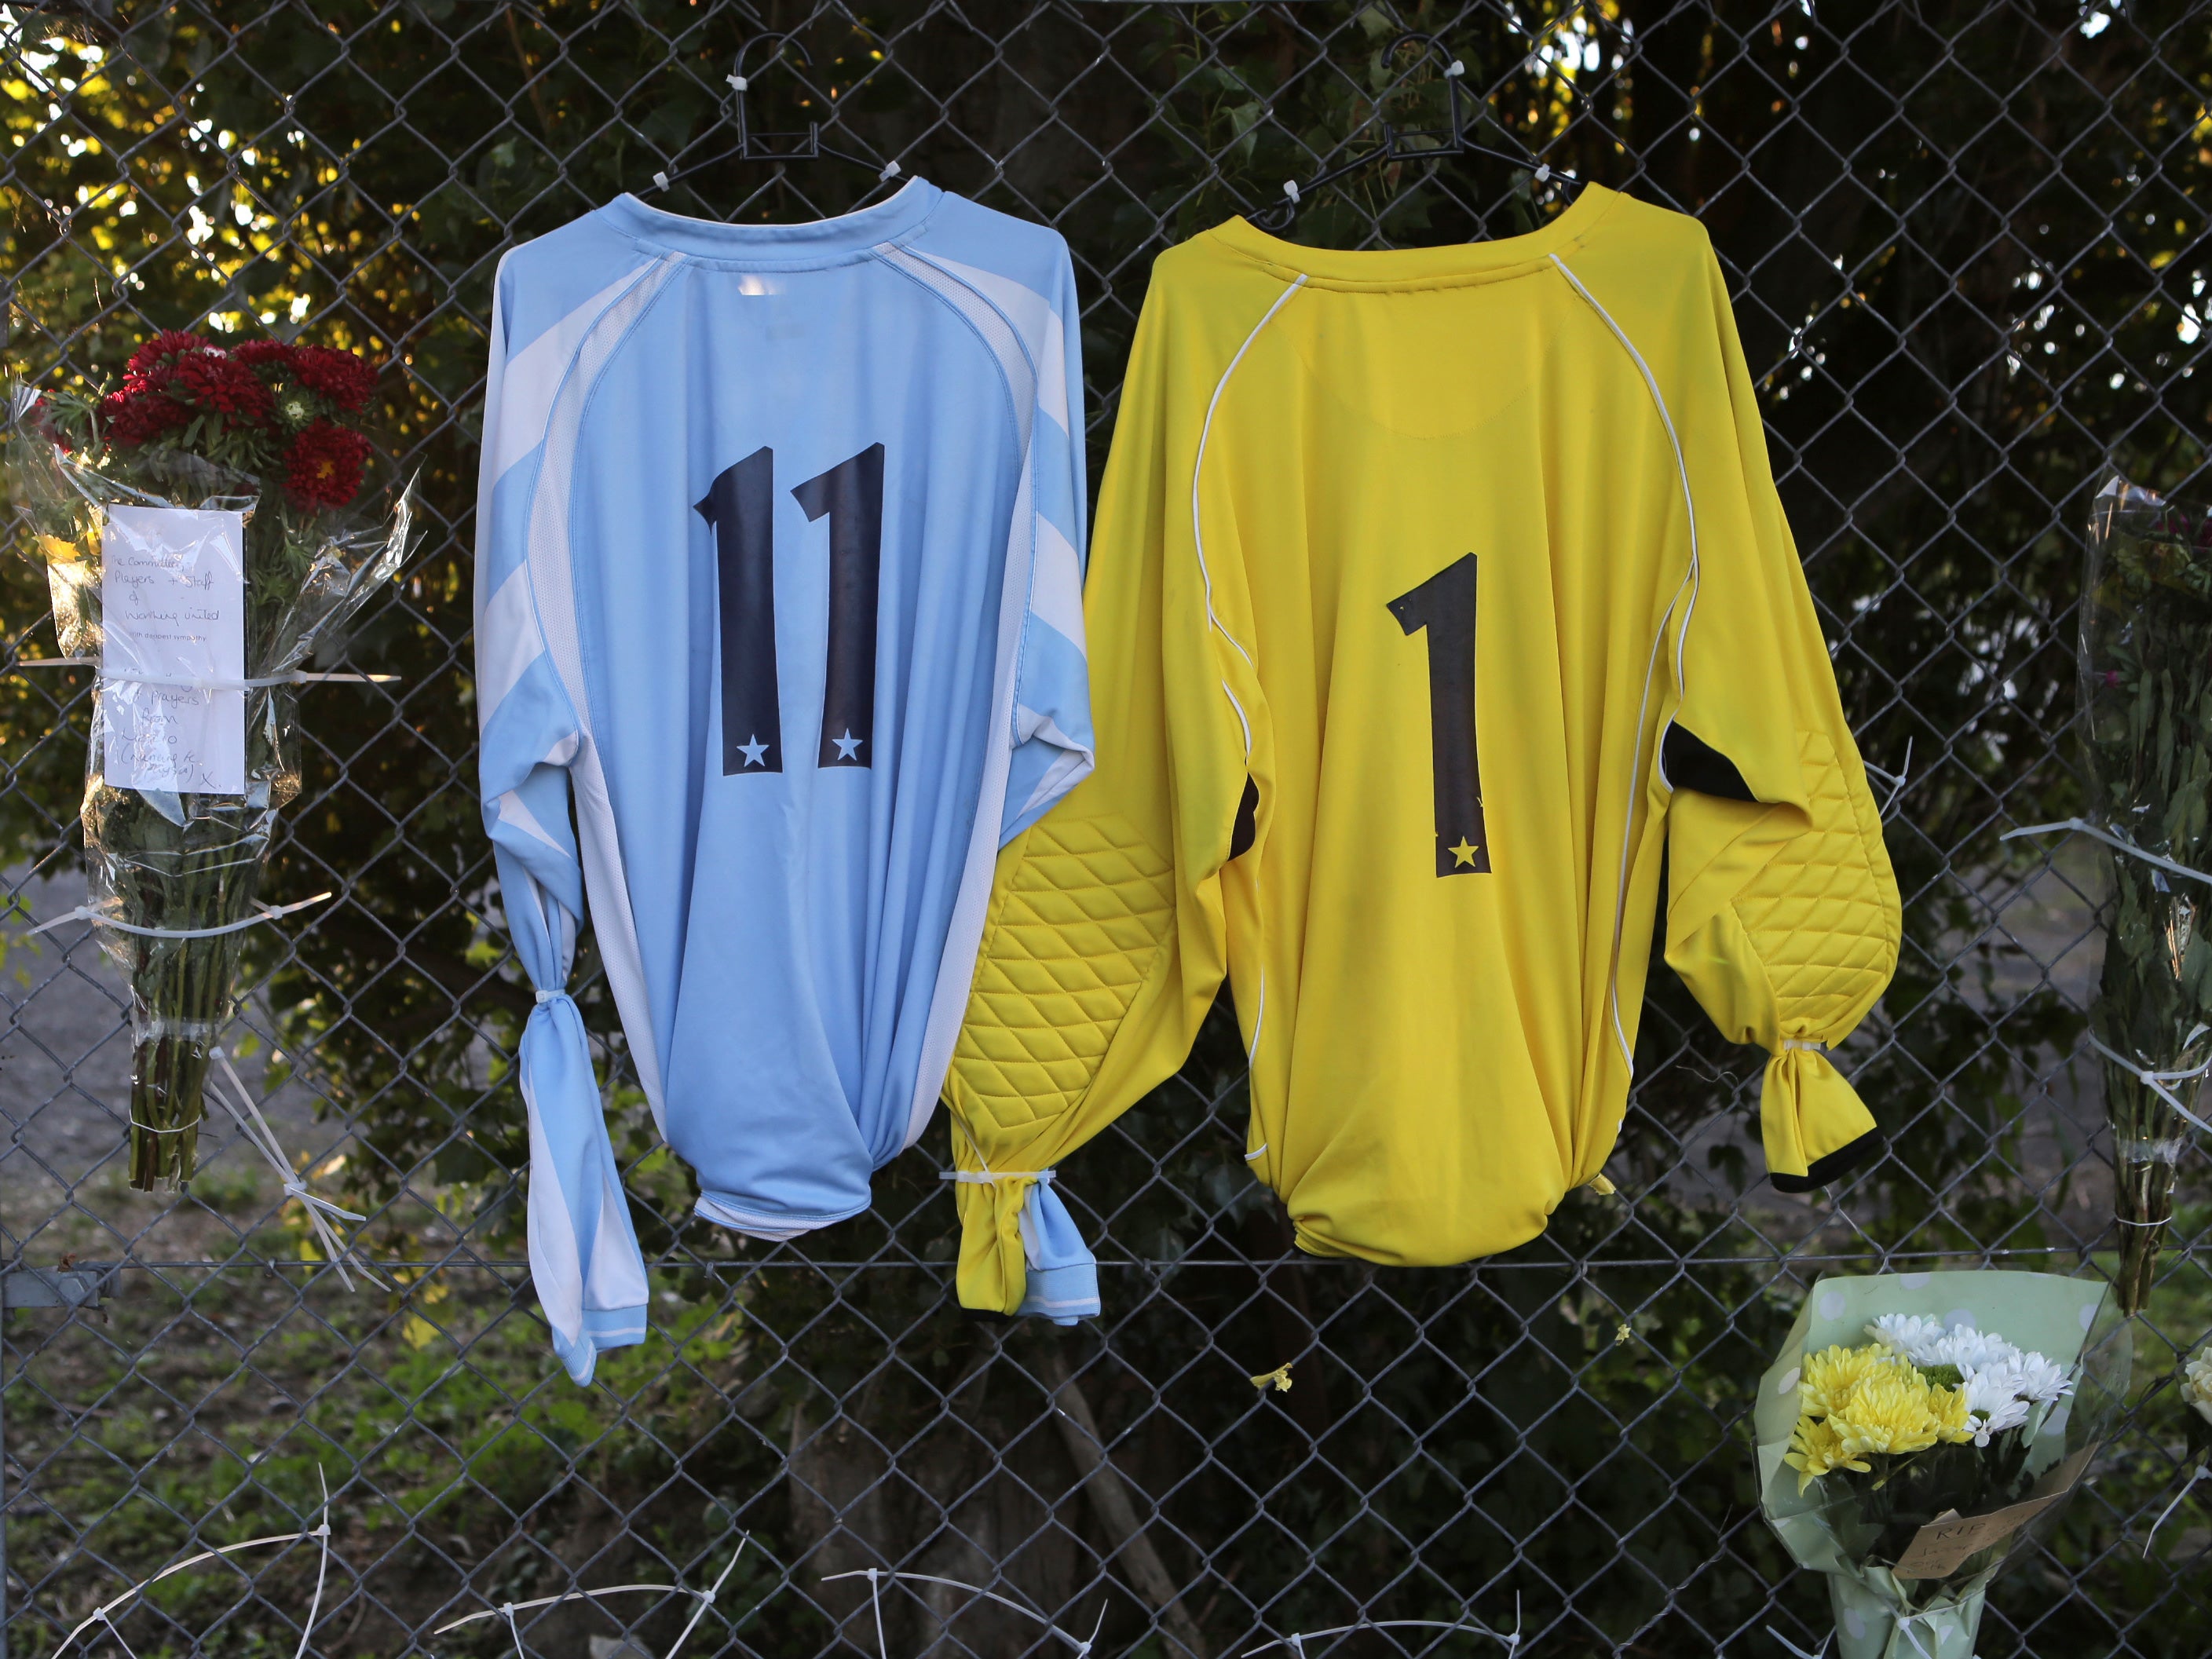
column 1840, row 1162
column 1691, row 762
column 1247, row 822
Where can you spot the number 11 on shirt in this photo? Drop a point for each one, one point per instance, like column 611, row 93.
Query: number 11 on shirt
column 740, row 506
column 1443, row 607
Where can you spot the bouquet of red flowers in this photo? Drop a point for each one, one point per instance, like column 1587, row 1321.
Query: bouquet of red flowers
column 203, row 532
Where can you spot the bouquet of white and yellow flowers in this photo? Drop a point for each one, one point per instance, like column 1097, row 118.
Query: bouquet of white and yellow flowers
column 2192, row 1380
column 1919, row 1428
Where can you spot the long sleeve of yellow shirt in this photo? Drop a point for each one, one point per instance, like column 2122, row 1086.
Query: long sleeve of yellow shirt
column 1434, row 597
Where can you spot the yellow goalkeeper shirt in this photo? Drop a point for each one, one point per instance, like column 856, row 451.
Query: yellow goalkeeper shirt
column 1436, row 597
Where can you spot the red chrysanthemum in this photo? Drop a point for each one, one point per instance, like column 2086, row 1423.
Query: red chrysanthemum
column 150, row 364
column 215, row 383
column 137, row 417
column 340, row 376
column 323, row 468
column 273, row 355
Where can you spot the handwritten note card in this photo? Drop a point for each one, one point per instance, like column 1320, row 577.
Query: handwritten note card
column 172, row 602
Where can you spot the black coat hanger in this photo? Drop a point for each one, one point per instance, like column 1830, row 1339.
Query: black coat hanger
column 778, row 147
column 1412, row 143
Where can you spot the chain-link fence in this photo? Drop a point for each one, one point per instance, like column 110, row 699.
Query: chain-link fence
column 1967, row 270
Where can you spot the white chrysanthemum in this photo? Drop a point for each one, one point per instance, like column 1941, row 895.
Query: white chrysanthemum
column 2196, row 1383
column 1971, row 1350
column 1990, row 1390
column 2042, row 1379
column 2009, row 1415
column 1910, row 1334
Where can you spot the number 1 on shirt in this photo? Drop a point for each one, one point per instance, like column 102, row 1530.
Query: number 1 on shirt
column 852, row 494
column 739, row 507
column 1444, row 608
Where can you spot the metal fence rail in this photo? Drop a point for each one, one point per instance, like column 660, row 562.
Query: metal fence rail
column 1967, row 269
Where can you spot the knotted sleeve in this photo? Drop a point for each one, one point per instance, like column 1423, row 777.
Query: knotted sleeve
column 1783, row 915
column 584, row 1255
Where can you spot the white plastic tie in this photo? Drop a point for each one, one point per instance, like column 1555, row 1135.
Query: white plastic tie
column 2158, row 1083
column 2195, row 1475
column 873, row 1575
column 320, row 1210
column 1817, row 1653
column 1893, row 781
column 1256, row 1153
column 875, row 1601
column 1809, row 1046
column 201, row 682
column 1455, row 70
column 737, row 83
column 702, row 1597
column 890, row 172
column 1291, row 190
column 101, row 919
column 103, row 1613
column 986, row 1178
column 544, row 997
column 660, row 180
column 1543, row 173
column 2119, row 843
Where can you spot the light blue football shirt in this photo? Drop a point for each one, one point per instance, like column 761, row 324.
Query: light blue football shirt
column 779, row 588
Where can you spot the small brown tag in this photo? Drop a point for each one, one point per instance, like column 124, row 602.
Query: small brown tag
column 1937, row 1548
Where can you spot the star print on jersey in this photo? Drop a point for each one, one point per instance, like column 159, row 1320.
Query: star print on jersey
column 754, row 751
column 846, row 746
column 1464, row 853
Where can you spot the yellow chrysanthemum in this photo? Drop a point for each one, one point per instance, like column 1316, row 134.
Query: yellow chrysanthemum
column 1830, row 1375
column 1892, row 1412
column 1948, row 1406
column 1815, row 1449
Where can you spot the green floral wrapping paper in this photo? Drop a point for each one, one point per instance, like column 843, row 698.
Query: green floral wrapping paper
column 1828, row 1524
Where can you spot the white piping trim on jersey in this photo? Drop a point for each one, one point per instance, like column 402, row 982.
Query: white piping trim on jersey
column 941, row 1025
column 549, row 557
column 1690, row 581
column 1206, row 577
column 1198, row 529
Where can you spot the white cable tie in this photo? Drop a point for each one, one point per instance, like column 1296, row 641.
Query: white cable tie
column 1543, row 173
column 890, row 172
column 211, row 682
column 1257, row 1151
column 986, row 1177
column 1817, row 1653
column 101, row 919
column 295, row 1189
column 1895, row 781
column 2098, row 832
column 660, row 179
column 739, row 81
column 550, row 996
column 1455, row 68
column 190, row 682
column 1804, row 1044
column 1291, row 190
column 2195, row 1475
column 101, row 1614
column 2157, row 1082
column 255, row 1127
